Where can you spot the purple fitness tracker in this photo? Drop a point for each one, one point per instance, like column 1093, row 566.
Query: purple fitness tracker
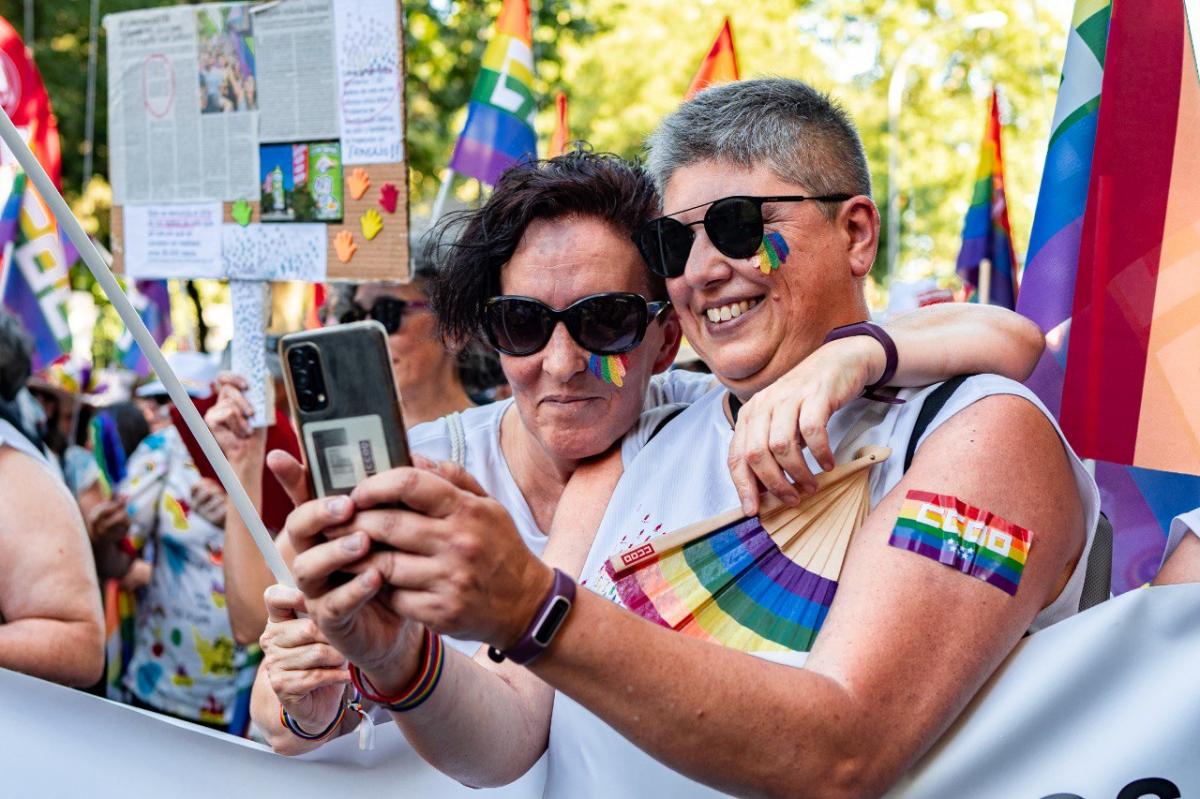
column 889, row 353
column 546, row 622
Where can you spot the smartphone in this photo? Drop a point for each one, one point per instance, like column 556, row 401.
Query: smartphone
column 344, row 402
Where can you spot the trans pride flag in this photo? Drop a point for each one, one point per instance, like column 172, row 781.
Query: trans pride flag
column 1108, row 278
column 986, row 231
column 499, row 130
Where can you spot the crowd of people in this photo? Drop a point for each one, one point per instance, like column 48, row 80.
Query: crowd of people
column 481, row 616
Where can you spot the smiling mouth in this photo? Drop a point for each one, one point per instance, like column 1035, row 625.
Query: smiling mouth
column 729, row 312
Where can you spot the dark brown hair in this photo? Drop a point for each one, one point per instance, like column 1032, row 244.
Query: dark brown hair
column 472, row 247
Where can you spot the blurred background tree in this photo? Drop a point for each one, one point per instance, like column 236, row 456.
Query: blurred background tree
column 625, row 63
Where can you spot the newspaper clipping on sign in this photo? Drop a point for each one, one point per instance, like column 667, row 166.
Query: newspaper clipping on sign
column 183, row 104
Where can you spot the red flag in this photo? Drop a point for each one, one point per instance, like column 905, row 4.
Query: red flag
column 560, row 142
column 24, row 99
column 719, row 66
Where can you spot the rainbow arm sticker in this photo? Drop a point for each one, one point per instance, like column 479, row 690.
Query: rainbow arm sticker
column 773, row 254
column 609, row 368
column 974, row 541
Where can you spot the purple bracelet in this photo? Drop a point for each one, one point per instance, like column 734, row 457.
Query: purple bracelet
column 891, row 358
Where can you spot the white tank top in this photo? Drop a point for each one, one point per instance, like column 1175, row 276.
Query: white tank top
column 680, row 477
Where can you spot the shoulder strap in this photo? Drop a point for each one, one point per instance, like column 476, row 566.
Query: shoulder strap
column 458, row 438
column 1097, row 577
column 665, row 421
column 929, row 409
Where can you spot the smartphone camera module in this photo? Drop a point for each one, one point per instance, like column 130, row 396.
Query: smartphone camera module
column 307, row 378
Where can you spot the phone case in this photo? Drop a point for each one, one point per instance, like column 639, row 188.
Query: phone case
column 360, row 431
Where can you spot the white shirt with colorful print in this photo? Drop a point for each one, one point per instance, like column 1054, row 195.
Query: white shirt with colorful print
column 184, row 659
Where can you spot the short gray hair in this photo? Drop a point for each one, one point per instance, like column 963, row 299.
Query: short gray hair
column 802, row 135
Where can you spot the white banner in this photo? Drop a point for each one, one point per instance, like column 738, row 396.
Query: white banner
column 1103, row 706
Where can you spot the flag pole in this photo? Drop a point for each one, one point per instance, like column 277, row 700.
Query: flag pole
column 443, row 192
column 984, row 294
column 91, row 256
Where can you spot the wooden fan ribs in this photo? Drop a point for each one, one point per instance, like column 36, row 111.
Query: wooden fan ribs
column 757, row 584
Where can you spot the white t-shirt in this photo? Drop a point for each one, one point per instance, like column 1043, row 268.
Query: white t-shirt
column 484, row 460
column 1181, row 525
column 681, row 477
column 12, row 437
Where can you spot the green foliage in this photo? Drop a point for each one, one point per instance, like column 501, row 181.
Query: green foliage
column 625, row 63
column 444, row 43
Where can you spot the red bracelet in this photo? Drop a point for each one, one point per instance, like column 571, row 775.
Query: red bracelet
column 431, row 658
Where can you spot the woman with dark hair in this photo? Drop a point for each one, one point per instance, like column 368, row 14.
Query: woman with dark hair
column 552, row 244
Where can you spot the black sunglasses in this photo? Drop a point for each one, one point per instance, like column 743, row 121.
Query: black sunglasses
column 733, row 224
column 604, row 324
column 387, row 311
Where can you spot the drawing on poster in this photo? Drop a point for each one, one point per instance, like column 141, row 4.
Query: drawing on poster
column 275, row 252
column 249, row 299
column 301, row 182
column 226, row 50
column 369, row 66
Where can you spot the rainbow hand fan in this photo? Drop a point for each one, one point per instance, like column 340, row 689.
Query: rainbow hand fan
column 758, row 584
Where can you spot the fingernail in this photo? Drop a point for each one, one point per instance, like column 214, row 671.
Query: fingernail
column 366, row 578
column 352, row 543
column 338, row 506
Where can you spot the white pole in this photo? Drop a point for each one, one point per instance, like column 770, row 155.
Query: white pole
column 91, row 257
column 895, row 102
column 440, row 203
column 985, row 281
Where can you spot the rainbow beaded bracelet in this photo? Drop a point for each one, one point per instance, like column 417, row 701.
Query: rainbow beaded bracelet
column 432, row 659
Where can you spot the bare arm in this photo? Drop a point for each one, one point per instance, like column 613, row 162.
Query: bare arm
column 1184, row 564
column 906, row 645
column 487, row 723
column 955, row 338
column 49, row 596
column 778, row 423
column 246, row 573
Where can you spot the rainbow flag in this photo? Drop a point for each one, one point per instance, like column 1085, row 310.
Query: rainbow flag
column 1059, row 280
column 34, row 279
column 987, row 234
column 152, row 300
column 719, row 66
column 499, row 130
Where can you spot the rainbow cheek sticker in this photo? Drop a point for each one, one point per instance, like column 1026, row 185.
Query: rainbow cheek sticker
column 609, row 368
column 773, row 254
column 974, row 541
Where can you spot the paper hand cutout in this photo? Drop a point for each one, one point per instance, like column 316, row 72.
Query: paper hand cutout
column 359, row 181
column 371, row 223
column 242, row 212
column 344, row 244
column 387, row 197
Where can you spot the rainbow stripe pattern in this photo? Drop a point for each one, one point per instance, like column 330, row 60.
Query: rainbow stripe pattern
column 756, row 585
column 735, row 587
column 609, row 368
column 773, row 254
column 499, row 130
column 987, row 233
column 974, row 541
column 1106, row 278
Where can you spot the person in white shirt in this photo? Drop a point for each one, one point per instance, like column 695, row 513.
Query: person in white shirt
column 486, row 722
